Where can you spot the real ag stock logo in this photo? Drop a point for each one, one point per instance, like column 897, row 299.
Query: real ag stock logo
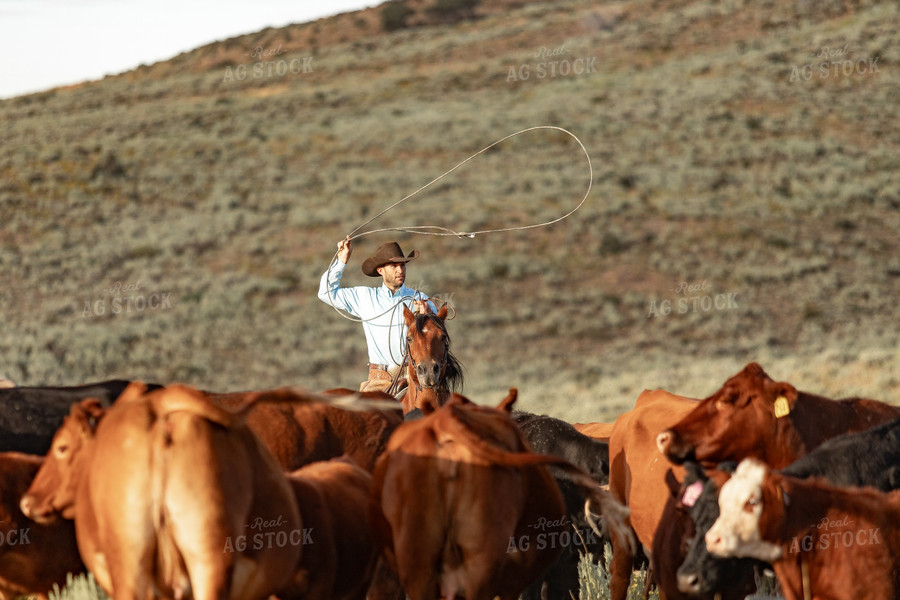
column 126, row 298
column 268, row 68
column 834, row 62
column 560, row 533
column 552, row 63
column 261, row 535
column 843, row 536
column 692, row 298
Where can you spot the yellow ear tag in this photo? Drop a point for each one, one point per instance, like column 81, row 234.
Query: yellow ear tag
column 782, row 409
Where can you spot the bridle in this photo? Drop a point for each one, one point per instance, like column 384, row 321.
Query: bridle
column 442, row 367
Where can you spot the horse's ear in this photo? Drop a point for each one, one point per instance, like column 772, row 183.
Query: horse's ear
column 442, row 312
column 408, row 316
column 507, row 403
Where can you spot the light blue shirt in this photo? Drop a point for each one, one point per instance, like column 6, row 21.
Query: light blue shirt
column 380, row 309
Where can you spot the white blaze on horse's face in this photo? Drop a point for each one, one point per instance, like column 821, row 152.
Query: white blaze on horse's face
column 427, row 345
column 736, row 531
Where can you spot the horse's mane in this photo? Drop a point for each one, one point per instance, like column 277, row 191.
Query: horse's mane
column 453, row 376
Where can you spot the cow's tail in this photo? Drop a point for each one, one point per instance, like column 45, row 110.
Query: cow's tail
column 614, row 517
column 169, row 562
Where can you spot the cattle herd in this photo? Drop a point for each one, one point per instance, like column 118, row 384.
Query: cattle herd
column 174, row 492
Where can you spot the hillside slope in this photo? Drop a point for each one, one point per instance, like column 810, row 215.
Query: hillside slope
column 737, row 183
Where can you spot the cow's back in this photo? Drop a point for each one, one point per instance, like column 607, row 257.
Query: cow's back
column 637, row 469
column 865, row 458
column 362, row 435
column 197, row 484
column 338, row 556
column 299, row 433
column 598, row 431
column 437, row 501
column 29, row 416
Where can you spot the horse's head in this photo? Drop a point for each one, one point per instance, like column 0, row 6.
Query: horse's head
column 432, row 365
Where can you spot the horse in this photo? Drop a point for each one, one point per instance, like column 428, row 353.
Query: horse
column 432, row 372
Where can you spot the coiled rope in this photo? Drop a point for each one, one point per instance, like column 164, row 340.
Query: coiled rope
column 446, row 231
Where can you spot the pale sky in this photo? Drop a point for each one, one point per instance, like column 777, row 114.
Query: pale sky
column 47, row 43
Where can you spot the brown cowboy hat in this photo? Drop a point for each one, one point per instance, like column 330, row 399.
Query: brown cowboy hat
column 389, row 252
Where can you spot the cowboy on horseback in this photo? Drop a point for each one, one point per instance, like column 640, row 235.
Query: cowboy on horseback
column 378, row 307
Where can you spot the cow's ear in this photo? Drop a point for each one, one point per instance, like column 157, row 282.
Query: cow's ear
column 135, row 390
column 458, row 399
column 507, row 403
column 88, row 413
column 784, row 398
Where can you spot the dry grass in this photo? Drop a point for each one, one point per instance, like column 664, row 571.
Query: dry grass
column 709, row 163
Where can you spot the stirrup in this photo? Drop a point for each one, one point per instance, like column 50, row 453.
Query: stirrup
column 403, row 385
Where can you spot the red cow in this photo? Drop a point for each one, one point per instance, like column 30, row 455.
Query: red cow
column 824, row 542
column 33, row 557
column 298, row 428
column 162, row 488
column 637, row 477
column 754, row 416
column 461, row 507
column 338, row 557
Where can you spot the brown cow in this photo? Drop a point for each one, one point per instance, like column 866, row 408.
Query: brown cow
column 338, row 556
column 754, row 416
column 637, row 478
column 33, row 557
column 163, row 487
column 461, row 507
column 298, row 431
column 823, row 541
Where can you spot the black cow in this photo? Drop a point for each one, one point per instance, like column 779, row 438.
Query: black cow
column 29, row 416
column 702, row 574
column 548, row 435
column 865, row 458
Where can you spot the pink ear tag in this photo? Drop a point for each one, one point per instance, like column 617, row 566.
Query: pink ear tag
column 692, row 493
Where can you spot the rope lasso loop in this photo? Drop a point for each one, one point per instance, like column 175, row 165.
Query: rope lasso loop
column 446, row 231
column 438, row 230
